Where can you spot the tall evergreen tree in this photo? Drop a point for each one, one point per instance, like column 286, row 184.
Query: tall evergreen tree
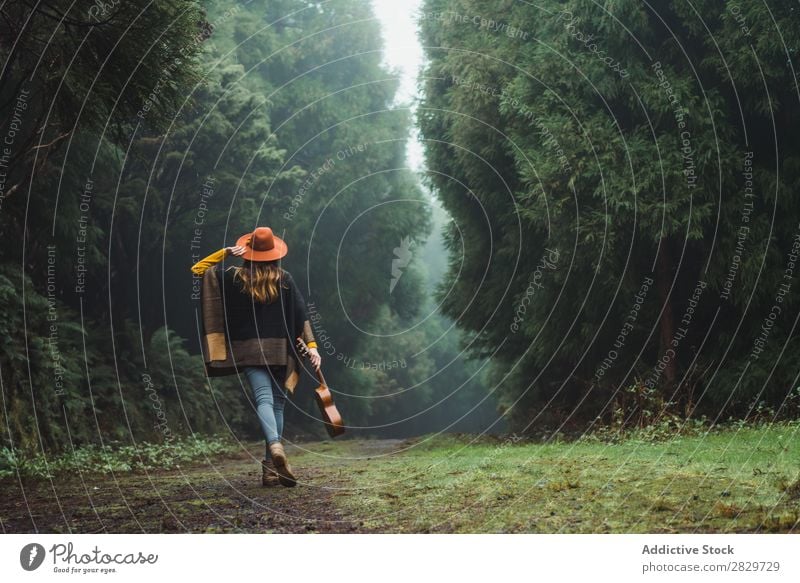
column 650, row 150
column 171, row 129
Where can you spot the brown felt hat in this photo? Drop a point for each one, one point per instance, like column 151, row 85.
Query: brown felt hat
column 262, row 245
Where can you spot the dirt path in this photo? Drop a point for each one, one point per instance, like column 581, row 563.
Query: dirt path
column 219, row 495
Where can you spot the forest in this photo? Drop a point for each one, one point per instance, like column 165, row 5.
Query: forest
column 128, row 165
column 605, row 236
column 632, row 230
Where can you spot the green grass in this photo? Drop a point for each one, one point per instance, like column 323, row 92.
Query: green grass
column 739, row 479
column 117, row 458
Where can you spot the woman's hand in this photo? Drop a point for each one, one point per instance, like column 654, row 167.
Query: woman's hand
column 315, row 358
column 236, row 251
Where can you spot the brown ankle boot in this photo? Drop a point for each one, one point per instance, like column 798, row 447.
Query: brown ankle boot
column 268, row 475
column 282, row 467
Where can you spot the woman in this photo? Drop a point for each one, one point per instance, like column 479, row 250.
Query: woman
column 252, row 315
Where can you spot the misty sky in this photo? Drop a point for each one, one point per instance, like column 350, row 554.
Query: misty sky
column 403, row 53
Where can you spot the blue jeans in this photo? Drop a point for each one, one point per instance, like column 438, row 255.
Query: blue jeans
column 270, row 401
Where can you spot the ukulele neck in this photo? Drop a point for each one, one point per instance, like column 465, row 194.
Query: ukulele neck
column 305, row 351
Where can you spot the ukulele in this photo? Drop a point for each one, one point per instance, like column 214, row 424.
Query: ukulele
column 330, row 414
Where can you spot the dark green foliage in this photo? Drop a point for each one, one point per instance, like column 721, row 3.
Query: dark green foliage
column 537, row 144
column 165, row 142
column 94, row 67
column 73, row 359
column 354, row 208
column 113, row 459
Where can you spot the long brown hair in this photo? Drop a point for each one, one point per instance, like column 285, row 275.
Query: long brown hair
column 260, row 279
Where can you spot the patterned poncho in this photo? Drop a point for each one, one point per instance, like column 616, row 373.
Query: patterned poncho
column 239, row 332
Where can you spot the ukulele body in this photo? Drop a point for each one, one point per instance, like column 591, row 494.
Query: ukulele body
column 330, row 414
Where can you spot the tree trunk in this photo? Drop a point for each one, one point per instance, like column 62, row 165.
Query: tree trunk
column 667, row 324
